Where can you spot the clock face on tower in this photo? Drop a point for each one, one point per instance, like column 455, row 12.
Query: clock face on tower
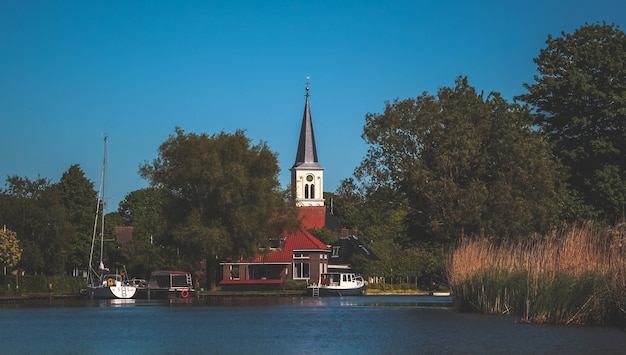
column 309, row 178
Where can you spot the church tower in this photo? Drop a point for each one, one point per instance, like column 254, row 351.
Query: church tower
column 307, row 175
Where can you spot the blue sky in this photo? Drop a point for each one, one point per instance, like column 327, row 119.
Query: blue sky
column 72, row 71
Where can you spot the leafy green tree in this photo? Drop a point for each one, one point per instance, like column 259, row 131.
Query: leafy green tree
column 463, row 163
column 10, row 251
column 580, row 97
column 38, row 216
column 325, row 235
column 222, row 195
column 144, row 211
column 376, row 213
column 79, row 201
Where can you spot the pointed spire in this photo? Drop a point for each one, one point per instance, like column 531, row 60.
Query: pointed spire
column 307, row 153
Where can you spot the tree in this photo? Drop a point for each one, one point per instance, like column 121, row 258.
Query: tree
column 10, row 252
column 38, row 216
column 580, row 97
column 222, row 195
column 144, row 211
column 79, row 201
column 463, row 164
column 377, row 213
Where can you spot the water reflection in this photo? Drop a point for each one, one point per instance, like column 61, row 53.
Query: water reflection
column 117, row 302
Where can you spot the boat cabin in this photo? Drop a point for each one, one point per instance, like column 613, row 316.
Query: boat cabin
column 167, row 284
column 171, row 280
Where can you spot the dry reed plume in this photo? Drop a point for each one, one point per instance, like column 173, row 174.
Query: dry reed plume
column 574, row 275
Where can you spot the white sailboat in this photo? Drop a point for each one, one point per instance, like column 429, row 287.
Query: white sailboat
column 100, row 282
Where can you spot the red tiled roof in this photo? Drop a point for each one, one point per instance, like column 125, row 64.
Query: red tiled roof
column 300, row 240
column 313, row 217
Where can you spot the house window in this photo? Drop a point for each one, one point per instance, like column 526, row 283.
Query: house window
column 336, row 251
column 300, row 255
column 276, row 243
column 234, row 272
column 257, row 272
column 301, row 270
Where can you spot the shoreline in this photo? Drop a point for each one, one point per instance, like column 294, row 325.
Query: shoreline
column 214, row 294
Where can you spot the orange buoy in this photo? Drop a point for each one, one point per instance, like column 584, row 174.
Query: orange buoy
column 184, row 293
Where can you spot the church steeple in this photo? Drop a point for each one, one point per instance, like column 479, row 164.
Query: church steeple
column 307, row 153
column 307, row 175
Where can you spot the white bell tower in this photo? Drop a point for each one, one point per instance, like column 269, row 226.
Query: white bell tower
column 307, row 175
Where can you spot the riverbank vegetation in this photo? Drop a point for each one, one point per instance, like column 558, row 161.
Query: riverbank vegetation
column 18, row 285
column 576, row 275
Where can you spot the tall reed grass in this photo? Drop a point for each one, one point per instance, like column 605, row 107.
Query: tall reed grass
column 575, row 275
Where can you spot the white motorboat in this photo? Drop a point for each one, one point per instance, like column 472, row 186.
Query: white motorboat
column 337, row 284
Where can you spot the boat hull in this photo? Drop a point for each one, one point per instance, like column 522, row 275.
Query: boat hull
column 334, row 291
column 337, row 284
column 113, row 292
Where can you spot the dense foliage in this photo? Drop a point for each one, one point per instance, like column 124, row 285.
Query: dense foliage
column 34, row 210
column 580, row 96
column 462, row 163
column 149, row 250
column 222, row 194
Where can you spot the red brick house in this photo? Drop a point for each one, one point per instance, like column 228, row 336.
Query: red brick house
column 298, row 255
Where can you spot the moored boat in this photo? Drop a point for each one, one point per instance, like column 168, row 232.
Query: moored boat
column 337, row 284
column 167, row 284
column 101, row 283
column 112, row 286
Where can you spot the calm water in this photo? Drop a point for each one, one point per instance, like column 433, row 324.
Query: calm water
column 285, row 325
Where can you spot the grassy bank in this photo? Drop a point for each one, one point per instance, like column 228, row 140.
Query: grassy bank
column 574, row 276
column 39, row 284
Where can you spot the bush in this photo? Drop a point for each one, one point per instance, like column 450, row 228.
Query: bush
column 293, row 285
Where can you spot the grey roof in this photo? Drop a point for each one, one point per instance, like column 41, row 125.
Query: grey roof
column 306, row 157
column 349, row 246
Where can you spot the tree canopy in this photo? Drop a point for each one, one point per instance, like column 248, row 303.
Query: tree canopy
column 144, row 211
column 79, row 202
column 222, row 193
column 580, row 97
column 10, row 251
column 34, row 210
column 462, row 163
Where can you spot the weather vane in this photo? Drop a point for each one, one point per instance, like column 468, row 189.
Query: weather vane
column 308, row 77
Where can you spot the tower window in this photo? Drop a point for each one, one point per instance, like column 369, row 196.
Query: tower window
column 312, row 191
column 306, row 191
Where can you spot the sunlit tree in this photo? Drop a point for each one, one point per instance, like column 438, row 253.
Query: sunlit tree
column 10, row 251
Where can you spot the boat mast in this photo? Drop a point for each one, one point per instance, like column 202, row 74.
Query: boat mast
column 99, row 210
column 101, row 198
